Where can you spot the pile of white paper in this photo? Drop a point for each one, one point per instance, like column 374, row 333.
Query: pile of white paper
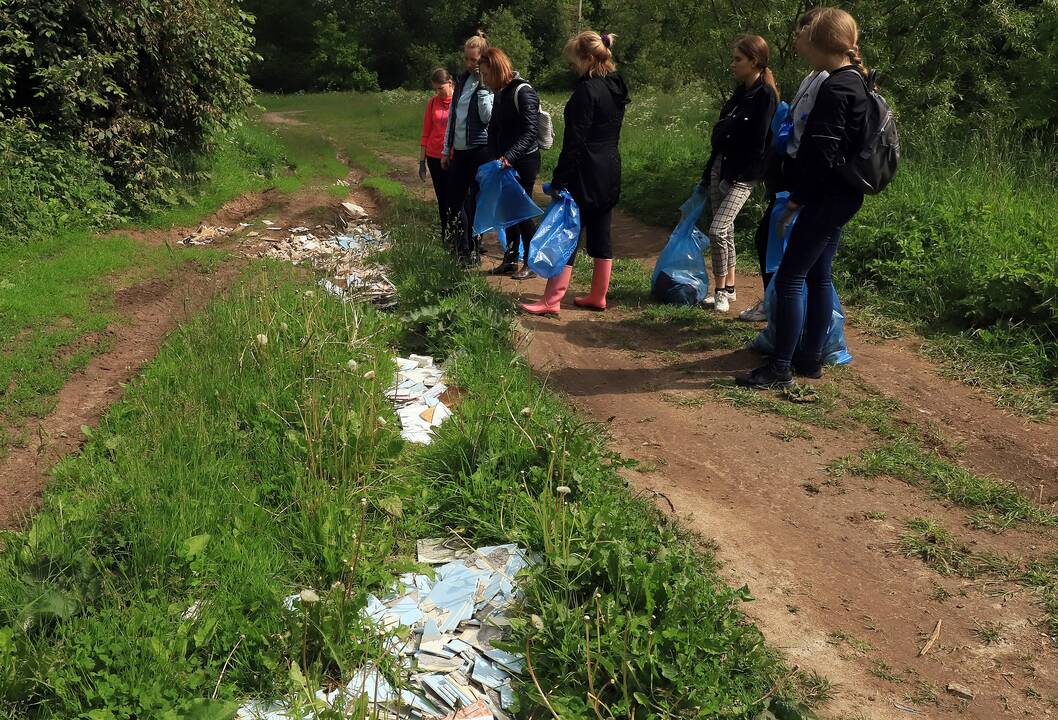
column 451, row 668
column 416, row 394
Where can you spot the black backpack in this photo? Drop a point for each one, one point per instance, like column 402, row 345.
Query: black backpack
column 874, row 166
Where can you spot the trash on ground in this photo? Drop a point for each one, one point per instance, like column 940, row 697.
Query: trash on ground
column 453, row 670
column 340, row 252
column 205, row 235
column 416, row 395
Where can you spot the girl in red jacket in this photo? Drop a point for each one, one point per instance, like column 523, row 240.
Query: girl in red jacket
column 433, row 137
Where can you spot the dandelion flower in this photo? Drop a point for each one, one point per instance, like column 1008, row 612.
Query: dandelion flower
column 262, row 339
column 309, row 596
column 563, row 490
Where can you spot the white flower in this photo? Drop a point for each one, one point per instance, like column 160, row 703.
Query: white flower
column 262, row 339
column 351, row 364
column 563, row 490
column 284, row 327
column 537, row 621
column 310, row 293
column 526, row 412
column 309, row 596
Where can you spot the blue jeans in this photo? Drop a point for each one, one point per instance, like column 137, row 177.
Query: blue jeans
column 807, row 263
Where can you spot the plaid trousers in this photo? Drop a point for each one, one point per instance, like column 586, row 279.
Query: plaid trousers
column 725, row 207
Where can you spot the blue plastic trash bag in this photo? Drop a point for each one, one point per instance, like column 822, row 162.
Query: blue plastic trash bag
column 680, row 276
column 556, row 239
column 781, row 126
column 835, row 349
column 502, row 201
column 777, row 245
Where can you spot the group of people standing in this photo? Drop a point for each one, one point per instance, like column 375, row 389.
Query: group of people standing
column 490, row 112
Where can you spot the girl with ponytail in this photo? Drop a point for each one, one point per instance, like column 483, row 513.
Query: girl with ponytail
column 739, row 142
column 829, row 41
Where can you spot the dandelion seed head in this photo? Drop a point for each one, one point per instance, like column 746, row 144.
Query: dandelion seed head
column 262, row 339
column 351, row 364
column 309, row 596
column 563, row 490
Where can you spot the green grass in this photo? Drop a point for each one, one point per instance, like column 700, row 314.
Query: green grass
column 57, row 276
column 55, row 301
column 905, row 459
column 234, row 473
column 940, row 549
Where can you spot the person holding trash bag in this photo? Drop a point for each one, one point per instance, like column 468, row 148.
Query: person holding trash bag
column 431, row 147
column 826, row 201
column 739, row 140
column 513, row 141
column 466, row 149
column 781, row 150
column 589, row 166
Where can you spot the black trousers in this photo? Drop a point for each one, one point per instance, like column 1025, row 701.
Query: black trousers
column 595, row 230
column 439, row 176
column 462, row 196
column 528, row 168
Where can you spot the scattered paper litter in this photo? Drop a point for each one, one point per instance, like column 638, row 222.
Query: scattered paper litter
column 416, row 394
column 452, row 670
column 340, row 253
column 205, row 235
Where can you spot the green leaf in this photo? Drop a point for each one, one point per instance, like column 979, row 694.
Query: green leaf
column 391, row 505
column 194, row 546
column 210, row 710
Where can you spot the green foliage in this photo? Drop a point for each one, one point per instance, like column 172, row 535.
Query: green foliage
column 504, row 30
column 143, row 86
column 340, row 62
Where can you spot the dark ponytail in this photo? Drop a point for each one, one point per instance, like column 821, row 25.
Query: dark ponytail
column 756, row 50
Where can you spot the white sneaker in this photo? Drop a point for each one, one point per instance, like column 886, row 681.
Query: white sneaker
column 721, row 301
column 709, row 301
column 732, row 295
column 754, row 314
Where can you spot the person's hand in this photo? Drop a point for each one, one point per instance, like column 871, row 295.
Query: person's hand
column 422, row 170
column 445, row 162
column 700, row 188
column 785, row 219
column 555, row 191
column 724, row 187
column 504, row 162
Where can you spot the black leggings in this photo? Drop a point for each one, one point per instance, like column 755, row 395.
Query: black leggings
column 439, row 176
column 462, row 195
column 595, row 228
column 761, row 240
column 528, row 168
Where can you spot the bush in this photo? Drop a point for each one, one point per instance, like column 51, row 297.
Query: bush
column 142, row 85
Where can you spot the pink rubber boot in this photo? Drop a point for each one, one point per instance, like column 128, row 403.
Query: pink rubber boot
column 600, row 283
column 553, row 293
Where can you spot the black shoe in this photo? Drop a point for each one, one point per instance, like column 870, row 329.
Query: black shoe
column 808, row 369
column 469, row 260
column 505, row 268
column 765, row 378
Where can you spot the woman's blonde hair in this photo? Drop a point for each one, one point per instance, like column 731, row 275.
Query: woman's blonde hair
column 592, row 53
column 500, row 70
column 476, row 42
column 832, row 30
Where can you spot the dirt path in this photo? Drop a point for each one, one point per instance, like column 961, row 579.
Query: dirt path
column 148, row 312
column 820, row 554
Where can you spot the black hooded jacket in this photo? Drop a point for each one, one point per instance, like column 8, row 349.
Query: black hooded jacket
column 742, row 133
column 590, row 163
column 515, row 117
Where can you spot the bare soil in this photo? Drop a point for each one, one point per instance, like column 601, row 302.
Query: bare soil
column 820, row 554
column 147, row 313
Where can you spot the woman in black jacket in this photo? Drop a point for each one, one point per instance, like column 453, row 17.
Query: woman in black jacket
column 590, row 165
column 513, row 141
column 739, row 140
column 829, row 41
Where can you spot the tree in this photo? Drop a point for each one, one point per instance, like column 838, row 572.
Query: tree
column 505, row 31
